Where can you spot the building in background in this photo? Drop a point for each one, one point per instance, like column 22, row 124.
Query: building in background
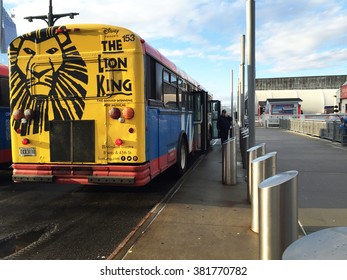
column 341, row 97
column 318, row 93
column 8, row 29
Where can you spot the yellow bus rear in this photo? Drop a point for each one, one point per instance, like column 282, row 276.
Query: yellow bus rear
column 77, row 106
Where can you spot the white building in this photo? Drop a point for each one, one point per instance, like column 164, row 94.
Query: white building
column 318, row 93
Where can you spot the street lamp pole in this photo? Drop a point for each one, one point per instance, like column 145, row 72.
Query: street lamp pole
column 251, row 69
column 51, row 18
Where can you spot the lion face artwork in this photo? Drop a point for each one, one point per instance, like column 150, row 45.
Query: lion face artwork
column 52, row 86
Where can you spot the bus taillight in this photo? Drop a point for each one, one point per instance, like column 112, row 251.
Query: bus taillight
column 114, row 113
column 118, row 142
column 28, row 114
column 25, row 141
column 17, row 114
column 68, row 30
column 128, row 113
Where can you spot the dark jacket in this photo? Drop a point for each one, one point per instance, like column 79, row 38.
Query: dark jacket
column 224, row 122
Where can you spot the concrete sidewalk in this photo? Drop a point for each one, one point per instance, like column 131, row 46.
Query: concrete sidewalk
column 204, row 219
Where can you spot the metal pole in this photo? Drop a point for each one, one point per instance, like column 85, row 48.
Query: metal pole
column 262, row 168
column 229, row 162
column 238, row 100
column 50, row 18
column 232, row 103
column 251, row 69
column 242, row 84
column 253, row 153
column 278, row 214
column 50, row 14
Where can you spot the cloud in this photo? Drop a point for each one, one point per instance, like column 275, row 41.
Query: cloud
column 203, row 36
column 181, row 19
column 311, row 40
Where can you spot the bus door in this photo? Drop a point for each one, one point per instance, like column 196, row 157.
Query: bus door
column 201, row 114
column 215, row 112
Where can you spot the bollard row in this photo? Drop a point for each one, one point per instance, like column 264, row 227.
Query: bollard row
column 273, row 198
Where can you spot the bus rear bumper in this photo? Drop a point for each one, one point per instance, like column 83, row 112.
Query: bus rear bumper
column 138, row 175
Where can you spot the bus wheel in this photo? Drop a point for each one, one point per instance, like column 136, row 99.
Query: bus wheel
column 182, row 157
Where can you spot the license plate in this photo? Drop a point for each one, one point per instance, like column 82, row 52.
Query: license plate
column 27, row 152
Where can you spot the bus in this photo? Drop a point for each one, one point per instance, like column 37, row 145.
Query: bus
column 5, row 139
column 96, row 104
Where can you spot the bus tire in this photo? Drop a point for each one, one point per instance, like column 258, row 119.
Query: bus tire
column 182, row 157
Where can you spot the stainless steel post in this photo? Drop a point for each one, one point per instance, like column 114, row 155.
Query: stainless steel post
column 232, row 132
column 229, row 162
column 278, row 214
column 250, row 39
column 241, row 108
column 253, row 153
column 261, row 168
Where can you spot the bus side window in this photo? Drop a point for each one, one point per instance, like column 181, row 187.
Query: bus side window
column 150, row 78
column 159, row 82
column 182, row 88
column 197, row 108
column 189, row 98
column 169, row 89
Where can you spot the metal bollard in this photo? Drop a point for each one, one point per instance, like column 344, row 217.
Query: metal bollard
column 253, row 153
column 278, row 214
column 229, row 161
column 261, row 168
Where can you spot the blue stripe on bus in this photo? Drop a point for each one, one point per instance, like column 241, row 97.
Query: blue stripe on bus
column 152, row 134
column 163, row 129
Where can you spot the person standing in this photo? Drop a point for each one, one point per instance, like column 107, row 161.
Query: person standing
column 223, row 126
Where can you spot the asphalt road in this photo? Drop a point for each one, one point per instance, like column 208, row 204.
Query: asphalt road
column 72, row 222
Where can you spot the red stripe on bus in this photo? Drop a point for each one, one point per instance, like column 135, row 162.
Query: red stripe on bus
column 78, row 174
column 5, row 156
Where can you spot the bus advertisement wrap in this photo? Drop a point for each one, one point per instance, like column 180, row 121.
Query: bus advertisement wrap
column 95, row 104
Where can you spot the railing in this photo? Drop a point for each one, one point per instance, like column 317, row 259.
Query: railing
column 323, row 117
column 323, row 126
column 274, row 120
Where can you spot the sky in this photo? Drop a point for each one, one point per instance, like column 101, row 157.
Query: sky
column 202, row 37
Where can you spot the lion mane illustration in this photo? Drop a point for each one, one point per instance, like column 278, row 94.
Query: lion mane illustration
column 51, row 86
